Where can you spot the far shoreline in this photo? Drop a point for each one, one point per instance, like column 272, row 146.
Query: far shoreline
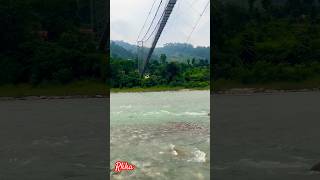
column 236, row 91
column 244, row 91
column 100, row 90
column 77, row 91
column 156, row 89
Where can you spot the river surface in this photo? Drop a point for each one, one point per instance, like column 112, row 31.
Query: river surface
column 166, row 135
column 53, row 139
column 266, row 136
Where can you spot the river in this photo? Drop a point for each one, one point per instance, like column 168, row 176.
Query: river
column 53, row 139
column 266, row 136
column 166, row 135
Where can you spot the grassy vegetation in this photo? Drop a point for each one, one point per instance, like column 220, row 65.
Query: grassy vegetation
column 82, row 88
column 222, row 85
column 156, row 89
column 87, row 88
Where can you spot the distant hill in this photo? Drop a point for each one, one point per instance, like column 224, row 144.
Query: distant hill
column 182, row 51
column 121, row 52
column 127, row 46
column 173, row 51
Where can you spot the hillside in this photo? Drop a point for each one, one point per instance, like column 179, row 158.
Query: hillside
column 173, row 51
column 120, row 52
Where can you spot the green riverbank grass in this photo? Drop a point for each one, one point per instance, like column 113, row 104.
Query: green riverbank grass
column 156, row 89
column 85, row 88
column 88, row 88
column 221, row 85
column 82, row 88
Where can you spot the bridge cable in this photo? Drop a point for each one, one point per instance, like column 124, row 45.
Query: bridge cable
column 156, row 26
column 153, row 20
column 145, row 22
column 198, row 21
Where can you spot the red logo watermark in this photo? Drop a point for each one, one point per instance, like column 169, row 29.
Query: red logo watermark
column 123, row 165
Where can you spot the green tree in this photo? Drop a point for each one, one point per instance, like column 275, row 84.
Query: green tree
column 163, row 58
column 294, row 7
column 193, row 62
column 251, row 4
column 172, row 70
column 248, row 53
column 266, row 5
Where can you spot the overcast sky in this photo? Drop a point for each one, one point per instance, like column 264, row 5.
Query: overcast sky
column 128, row 17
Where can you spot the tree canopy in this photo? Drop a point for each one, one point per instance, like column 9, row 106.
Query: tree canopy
column 266, row 41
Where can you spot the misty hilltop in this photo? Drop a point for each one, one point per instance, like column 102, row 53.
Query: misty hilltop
column 173, row 51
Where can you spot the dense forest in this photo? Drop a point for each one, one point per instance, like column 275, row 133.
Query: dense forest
column 174, row 65
column 195, row 73
column 254, row 42
column 265, row 41
column 54, row 42
column 49, row 42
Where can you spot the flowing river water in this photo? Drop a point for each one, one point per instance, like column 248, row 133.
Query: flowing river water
column 266, row 136
column 166, row 135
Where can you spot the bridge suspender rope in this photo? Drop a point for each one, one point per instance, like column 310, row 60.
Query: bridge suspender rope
column 163, row 21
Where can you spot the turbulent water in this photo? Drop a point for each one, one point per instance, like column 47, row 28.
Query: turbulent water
column 165, row 135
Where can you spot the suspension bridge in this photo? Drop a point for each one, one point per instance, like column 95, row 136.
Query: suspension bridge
column 146, row 44
column 158, row 29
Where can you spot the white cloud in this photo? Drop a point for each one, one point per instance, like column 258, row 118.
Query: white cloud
column 128, row 16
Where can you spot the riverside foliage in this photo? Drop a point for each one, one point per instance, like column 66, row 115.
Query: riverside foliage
column 45, row 42
column 195, row 73
column 53, row 42
column 265, row 41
